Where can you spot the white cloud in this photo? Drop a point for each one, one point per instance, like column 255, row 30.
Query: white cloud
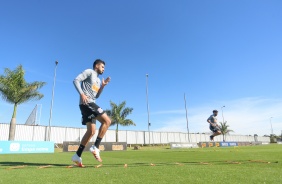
column 245, row 116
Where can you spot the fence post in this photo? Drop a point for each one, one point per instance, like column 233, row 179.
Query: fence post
column 33, row 134
column 160, row 137
column 46, row 133
column 126, row 135
column 65, row 134
column 153, row 138
column 136, row 137
column 179, row 137
column 167, row 138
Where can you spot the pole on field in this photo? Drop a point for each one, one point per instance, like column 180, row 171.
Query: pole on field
column 186, row 117
column 38, row 114
column 148, row 109
column 52, row 101
column 222, row 113
column 271, row 126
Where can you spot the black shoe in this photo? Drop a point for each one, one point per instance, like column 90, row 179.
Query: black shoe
column 211, row 138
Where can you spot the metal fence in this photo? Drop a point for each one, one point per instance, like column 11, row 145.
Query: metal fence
column 60, row 134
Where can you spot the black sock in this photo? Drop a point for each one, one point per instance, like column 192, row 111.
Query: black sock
column 80, row 150
column 97, row 142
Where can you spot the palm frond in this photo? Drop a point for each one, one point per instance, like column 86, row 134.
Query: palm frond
column 14, row 89
column 127, row 122
column 126, row 112
column 118, row 114
column 224, row 128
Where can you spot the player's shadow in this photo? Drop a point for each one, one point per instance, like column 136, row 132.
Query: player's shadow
column 11, row 164
column 155, row 164
column 129, row 165
column 217, row 162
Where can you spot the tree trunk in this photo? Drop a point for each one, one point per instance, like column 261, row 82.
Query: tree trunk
column 117, row 133
column 12, row 130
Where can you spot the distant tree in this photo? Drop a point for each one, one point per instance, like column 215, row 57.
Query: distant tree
column 224, row 128
column 15, row 90
column 118, row 115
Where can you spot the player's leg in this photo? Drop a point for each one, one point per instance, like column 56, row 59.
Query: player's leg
column 88, row 135
column 105, row 123
column 213, row 131
column 211, row 137
column 216, row 132
column 87, row 119
column 86, row 138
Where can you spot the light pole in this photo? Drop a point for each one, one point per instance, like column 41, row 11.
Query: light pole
column 186, row 117
column 148, row 109
column 52, row 101
column 222, row 113
column 271, row 126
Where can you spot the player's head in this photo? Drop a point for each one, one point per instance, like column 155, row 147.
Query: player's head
column 215, row 112
column 99, row 66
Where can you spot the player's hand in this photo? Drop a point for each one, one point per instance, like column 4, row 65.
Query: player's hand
column 84, row 98
column 105, row 82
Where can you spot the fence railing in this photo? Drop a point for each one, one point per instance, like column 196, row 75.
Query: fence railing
column 61, row 134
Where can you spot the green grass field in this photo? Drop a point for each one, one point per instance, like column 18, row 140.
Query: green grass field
column 257, row 164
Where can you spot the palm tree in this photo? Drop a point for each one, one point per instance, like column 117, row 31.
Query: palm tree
column 118, row 114
column 15, row 90
column 224, row 128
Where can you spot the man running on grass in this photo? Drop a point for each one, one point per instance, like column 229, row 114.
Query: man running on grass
column 90, row 88
column 212, row 120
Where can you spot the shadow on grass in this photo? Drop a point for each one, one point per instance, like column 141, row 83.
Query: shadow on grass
column 131, row 165
column 11, row 164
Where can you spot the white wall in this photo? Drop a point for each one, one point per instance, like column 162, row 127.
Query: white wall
column 60, row 134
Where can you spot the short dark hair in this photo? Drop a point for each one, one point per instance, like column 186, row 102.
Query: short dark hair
column 98, row 61
column 215, row 111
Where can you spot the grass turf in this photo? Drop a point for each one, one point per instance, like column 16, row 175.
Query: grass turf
column 257, row 164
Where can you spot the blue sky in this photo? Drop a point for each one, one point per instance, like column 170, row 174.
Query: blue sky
column 217, row 52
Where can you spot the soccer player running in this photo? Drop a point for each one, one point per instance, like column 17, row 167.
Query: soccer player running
column 89, row 87
column 212, row 120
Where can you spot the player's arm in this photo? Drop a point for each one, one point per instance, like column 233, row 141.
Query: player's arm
column 104, row 83
column 209, row 121
column 77, row 84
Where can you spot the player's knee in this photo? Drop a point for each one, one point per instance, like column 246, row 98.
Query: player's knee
column 91, row 132
column 108, row 122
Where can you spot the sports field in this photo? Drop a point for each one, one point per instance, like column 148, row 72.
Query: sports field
column 257, row 164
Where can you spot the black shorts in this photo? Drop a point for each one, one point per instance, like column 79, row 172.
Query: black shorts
column 214, row 129
column 89, row 112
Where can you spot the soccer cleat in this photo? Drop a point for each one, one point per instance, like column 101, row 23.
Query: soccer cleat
column 77, row 160
column 211, row 138
column 96, row 153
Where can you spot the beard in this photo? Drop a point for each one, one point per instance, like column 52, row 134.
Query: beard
column 100, row 72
